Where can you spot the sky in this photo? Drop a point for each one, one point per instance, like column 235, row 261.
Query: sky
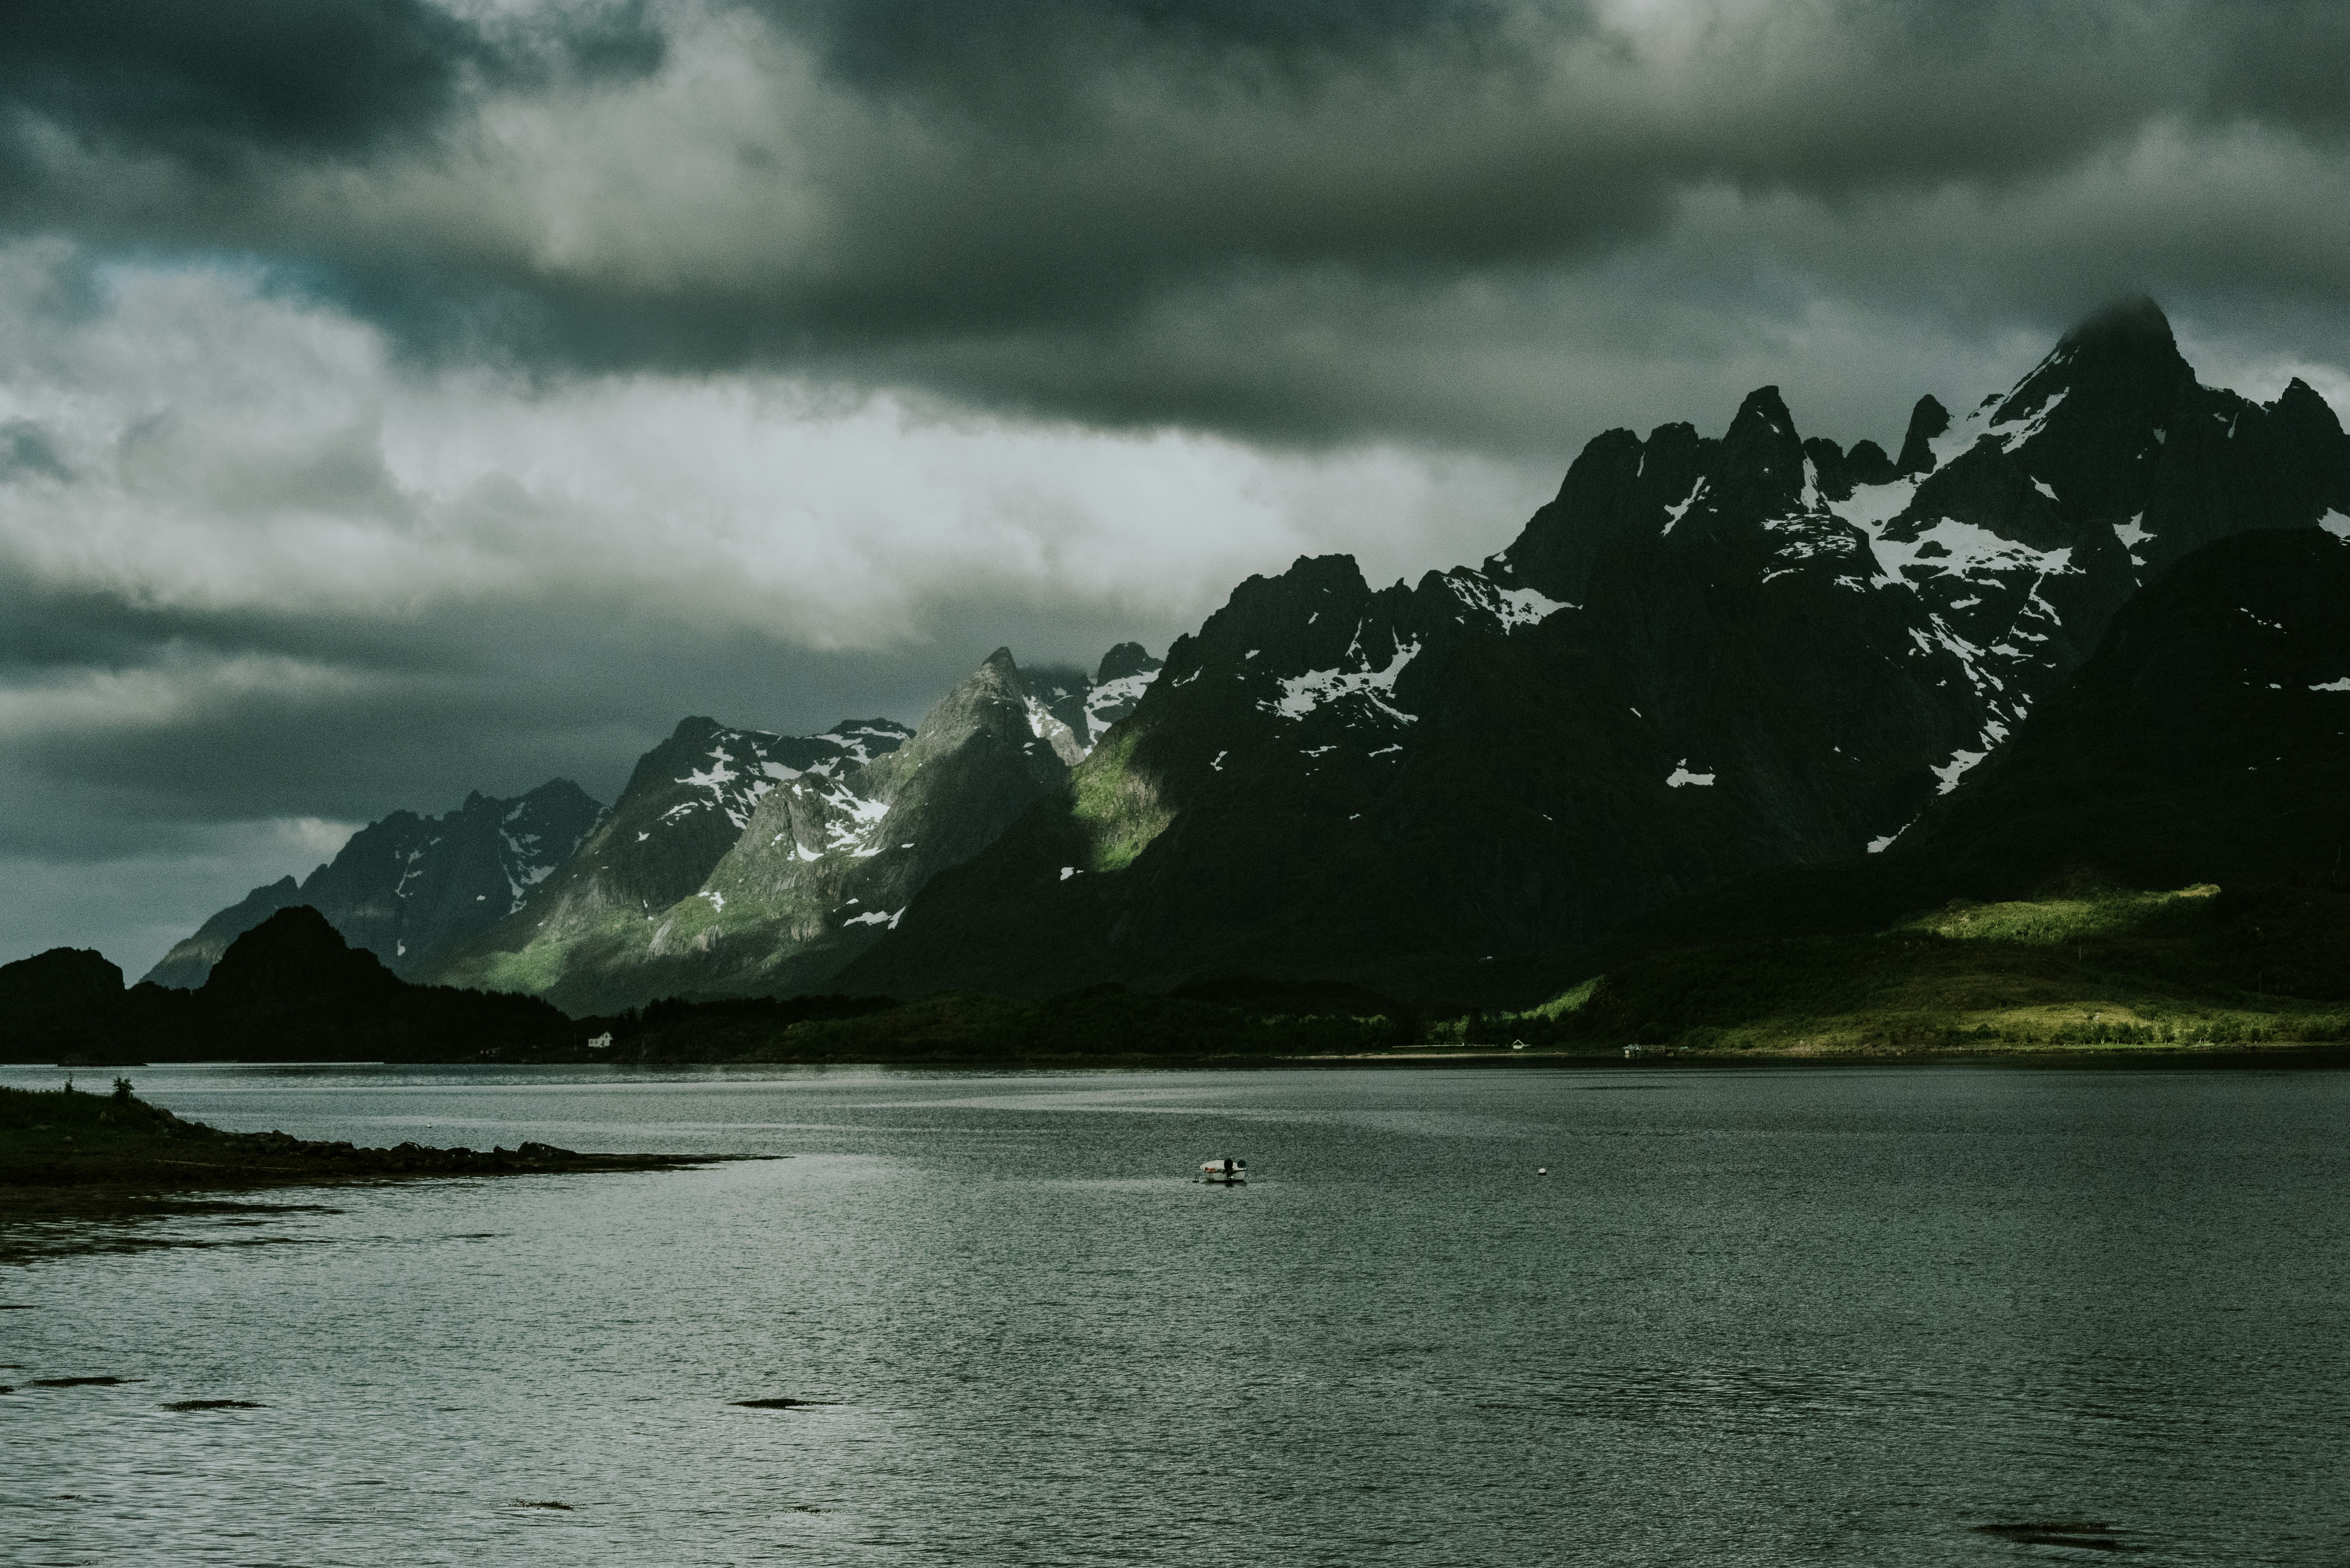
column 400, row 398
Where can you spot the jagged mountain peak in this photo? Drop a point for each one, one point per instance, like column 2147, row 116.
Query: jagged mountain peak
column 996, row 699
column 1704, row 655
column 1760, row 469
column 407, row 886
column 1762, row 411
column 2134, row 325
column 1128, row 658
column 740, row 861
column 2310, row 418
column 1929, row 421
column 2108, row 383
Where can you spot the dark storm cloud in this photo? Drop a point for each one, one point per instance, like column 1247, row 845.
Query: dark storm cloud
column 1000, row 201
column 229, row 92
column 1009, row 61
column 211, row 85
column 202, row 81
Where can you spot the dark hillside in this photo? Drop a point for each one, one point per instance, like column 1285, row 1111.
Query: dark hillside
column 290, row 989
column 2206, row 741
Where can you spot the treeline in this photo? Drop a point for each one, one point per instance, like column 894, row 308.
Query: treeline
column 1106, row 1023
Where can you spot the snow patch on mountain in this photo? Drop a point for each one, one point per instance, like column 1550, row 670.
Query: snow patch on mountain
column 1303, row 694
column 1513, row 608
column 733, row 792
column 1673, row 514
column 2037, row 422
column 1951, row 549
column 860, row 744
column 850, row 831
column 1111, row 700
column 1812, row 536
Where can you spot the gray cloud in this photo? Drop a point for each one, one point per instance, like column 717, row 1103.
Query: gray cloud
column 1006, row 205
column 26, row 451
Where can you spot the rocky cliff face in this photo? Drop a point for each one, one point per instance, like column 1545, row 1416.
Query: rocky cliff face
column 1705, row 658
column 409, row 889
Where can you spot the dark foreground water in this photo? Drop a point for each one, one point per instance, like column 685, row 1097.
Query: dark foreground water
column 1754, row 1318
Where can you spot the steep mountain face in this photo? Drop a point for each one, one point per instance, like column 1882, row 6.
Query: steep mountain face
column 729, row 867
column 2208, row 740
column 408, row 888
column 824, row 869
column 685, row 803
column 2205, row 740
column 1706, row 656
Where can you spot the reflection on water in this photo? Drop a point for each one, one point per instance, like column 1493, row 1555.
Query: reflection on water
column 1898, row 1316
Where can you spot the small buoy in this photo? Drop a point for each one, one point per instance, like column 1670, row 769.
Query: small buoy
column 1542, row 1171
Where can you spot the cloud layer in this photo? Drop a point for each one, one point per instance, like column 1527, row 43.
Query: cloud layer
column 400, row 398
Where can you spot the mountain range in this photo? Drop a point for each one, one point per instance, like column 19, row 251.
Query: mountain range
column 1707, row 660
column 1712, row 665
column 407, row 888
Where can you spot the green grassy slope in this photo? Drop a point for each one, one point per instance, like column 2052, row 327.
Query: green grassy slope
column 2079, row 964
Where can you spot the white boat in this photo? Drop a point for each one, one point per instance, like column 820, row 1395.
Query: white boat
column 1231, row 1172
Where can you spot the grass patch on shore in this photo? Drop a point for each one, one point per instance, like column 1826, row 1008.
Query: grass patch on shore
column 2083, row 966
column 68, row 1119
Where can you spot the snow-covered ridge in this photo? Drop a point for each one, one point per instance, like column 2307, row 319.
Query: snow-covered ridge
column 742, row 765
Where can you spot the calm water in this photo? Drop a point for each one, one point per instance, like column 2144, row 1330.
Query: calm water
column 1756, row 1317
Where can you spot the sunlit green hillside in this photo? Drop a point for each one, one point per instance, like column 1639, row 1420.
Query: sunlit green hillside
column 2081, row 964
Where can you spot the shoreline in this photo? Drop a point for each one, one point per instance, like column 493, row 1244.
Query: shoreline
column 1411, row 1057
column 1983, row 1054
